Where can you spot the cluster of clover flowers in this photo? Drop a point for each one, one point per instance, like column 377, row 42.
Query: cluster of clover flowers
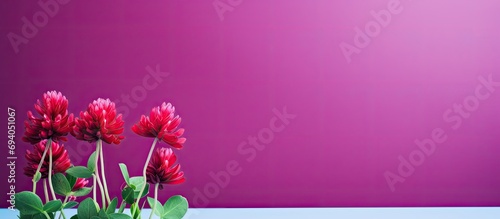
column 100, row 123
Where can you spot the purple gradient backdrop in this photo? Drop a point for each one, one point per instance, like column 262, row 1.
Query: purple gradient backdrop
column 353, row 120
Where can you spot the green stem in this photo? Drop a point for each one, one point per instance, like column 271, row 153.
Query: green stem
column 103, row 199
column 47, row 145
column 65, row 199
column 145, row 168
column 122, row 206
column 156, row 198
column 34, row 184
column 46, row 215
column 64, row 202
column 101, row 190
column 45, row 191
column 105, row 184
column 62, row 213
column 50, row 174
column 94, row 189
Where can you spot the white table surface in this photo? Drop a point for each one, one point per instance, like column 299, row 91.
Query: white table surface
column 314, row 213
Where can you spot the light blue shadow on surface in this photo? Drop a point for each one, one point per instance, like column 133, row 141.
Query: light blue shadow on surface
column 314, row 213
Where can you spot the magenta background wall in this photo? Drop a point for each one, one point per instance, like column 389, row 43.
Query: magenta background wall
column 229, row 79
